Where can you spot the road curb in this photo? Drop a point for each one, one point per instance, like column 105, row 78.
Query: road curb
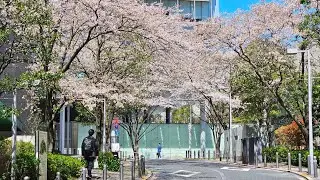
column 304, row 175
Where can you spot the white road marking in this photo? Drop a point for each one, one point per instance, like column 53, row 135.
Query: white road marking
column 220, row 173
column 236, row 169
column 188, row 173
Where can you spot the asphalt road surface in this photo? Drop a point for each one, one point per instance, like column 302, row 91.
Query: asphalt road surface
column 182, row 169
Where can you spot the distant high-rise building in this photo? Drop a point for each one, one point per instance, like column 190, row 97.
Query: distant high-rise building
column 203, row 10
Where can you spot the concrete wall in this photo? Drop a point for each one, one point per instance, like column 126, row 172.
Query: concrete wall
column 166, row 153
column 240, row 132
column 174, row 139
column 25, row 138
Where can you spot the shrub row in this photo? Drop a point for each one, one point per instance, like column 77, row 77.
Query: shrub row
column 283, row 155
column 69, row 167
column 26, row 162
column 113, row 163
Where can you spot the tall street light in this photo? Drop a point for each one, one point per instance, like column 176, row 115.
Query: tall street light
column 194, row 10
column 230, row 114
column 230, row 127
column 104, row 140
column 296, row 51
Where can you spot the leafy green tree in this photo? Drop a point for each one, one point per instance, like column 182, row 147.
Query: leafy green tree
column 83, row 114
column 269, row 82
column 181, row 115
column 310, row 25
column 5, row 112
column 14, row 48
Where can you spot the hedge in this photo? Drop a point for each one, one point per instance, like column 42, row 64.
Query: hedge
column 69, row 167
column 26, row 162
column 113, row 163
column 283, row 155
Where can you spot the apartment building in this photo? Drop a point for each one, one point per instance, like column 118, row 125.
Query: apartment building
column 193, row 9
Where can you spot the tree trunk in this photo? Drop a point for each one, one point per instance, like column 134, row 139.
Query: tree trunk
column 99, row 124
column 51, row 137
column 305, row 132
column 49, row 119
column 108, row 135
column 217, row 145
column 136, row 157
column 270, row 134
column 108, row 131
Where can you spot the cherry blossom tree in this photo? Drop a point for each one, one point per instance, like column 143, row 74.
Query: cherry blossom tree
column 63, row 32
column 14, row 47
column 272, row 22
column 131, row 64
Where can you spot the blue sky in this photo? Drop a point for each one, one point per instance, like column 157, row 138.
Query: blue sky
column 232, row 5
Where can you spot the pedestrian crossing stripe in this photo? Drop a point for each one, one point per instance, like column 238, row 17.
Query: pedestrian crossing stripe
column 235, row 169
column 185, row 173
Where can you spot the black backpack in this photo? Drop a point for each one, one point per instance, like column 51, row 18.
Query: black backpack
column 88, row 144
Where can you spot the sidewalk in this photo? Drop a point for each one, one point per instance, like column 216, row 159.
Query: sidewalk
column 97, row 173
column 282, row 167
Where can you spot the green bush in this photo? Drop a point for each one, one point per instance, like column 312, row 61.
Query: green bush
column 26, row 165
column 271, row 153
column 108, row 158
column 283, row 155
column 25, row 147
column 26, row 162
column 5, row 156
column 68, row 167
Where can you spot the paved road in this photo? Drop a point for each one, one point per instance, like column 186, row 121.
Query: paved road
column 181, row 169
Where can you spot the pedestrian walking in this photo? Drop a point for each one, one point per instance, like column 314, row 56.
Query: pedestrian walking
column 159, row 151
column 89, row 150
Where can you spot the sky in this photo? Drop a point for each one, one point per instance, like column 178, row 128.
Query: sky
column 230, row 6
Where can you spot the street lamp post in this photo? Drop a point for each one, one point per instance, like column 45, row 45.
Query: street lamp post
column 194, row 10
column 295, row 51
column 230, row 116
column 190, row 127
column 14, row 135
column 104, row 140
column 230, row 127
